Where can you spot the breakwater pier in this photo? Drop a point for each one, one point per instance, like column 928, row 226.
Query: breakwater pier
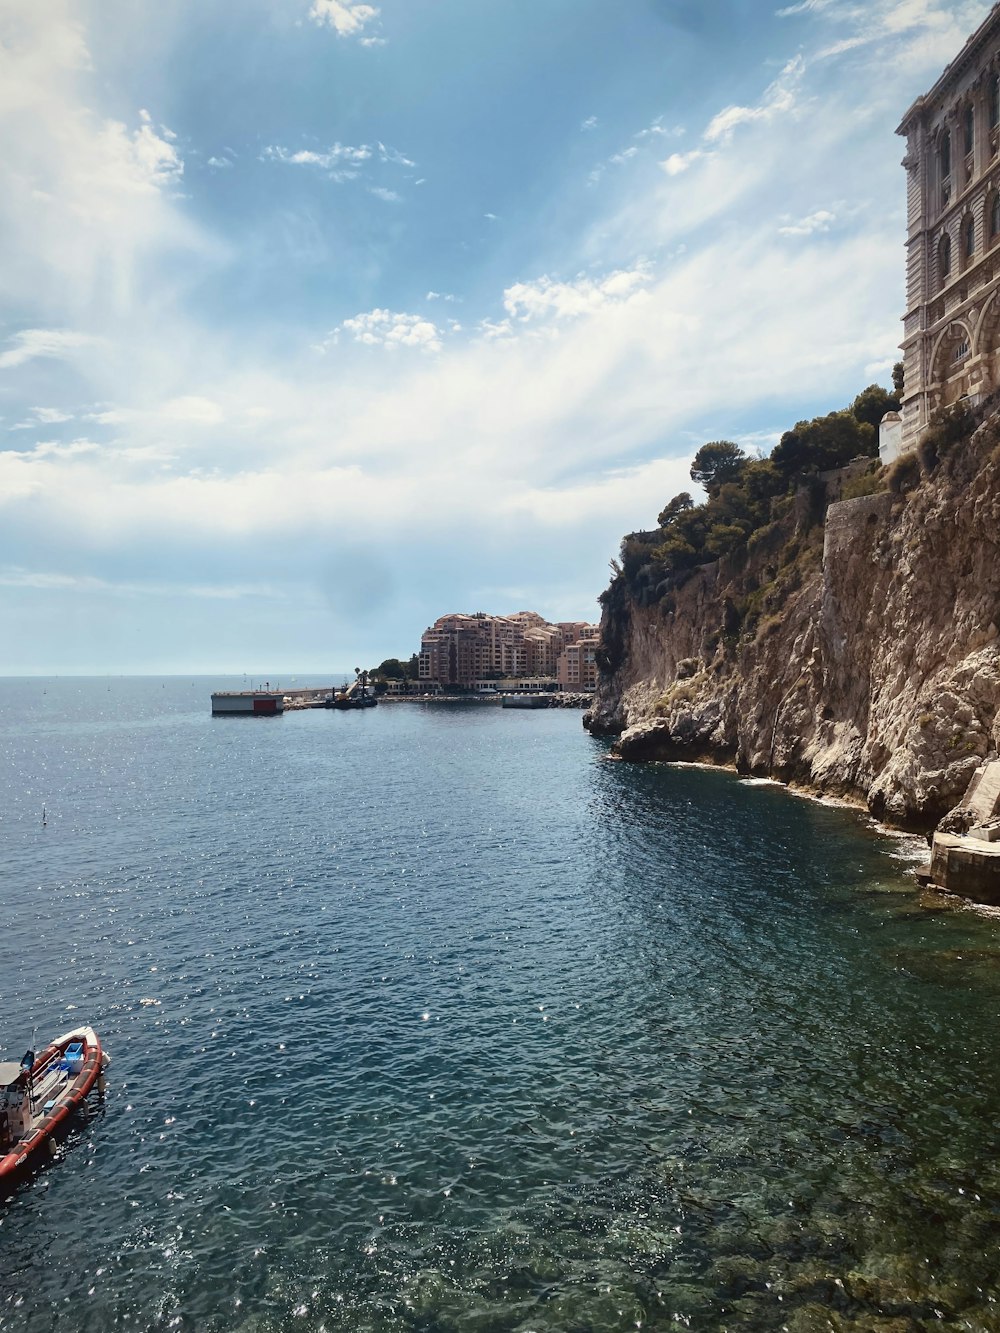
column 325, row 696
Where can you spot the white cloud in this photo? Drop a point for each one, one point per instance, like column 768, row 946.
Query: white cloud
column 343, row 162
column 656, row 131
column 84, row 199
column 114, row 416
column 807, row 6
column 346, row 17
column 394, row 156
column 53, row 449
column 679, row 162
column 51, row 415
column 193, row 408
column 150, row 160
column 659, row 130
column 496, row 330
column 385, row 328
column 43, row 416
column 569, row 300
column 819, row 221
column 881, row 369
column 332, row 158
column 32, row 343
column 589, row 124
column 577, row 503
column 933, row 29
column 778, row 99
column 16, row 576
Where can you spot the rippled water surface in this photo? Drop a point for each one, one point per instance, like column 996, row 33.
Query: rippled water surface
column 429, row 1018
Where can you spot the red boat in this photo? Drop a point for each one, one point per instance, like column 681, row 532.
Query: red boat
column 40, row 1093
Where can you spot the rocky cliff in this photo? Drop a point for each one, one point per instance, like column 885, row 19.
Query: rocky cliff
column 852, row 646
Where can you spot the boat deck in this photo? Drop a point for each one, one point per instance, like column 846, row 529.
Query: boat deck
column 47, row 1087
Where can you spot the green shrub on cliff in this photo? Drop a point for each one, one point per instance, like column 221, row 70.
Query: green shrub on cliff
column 823, row 444
column 746, row 495
column 716, row 463
column 674, row 508
column 872, row 404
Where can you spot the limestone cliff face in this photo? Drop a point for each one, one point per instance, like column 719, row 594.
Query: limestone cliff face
column 859, row 657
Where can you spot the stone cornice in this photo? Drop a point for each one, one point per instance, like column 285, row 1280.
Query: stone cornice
column 987, row 30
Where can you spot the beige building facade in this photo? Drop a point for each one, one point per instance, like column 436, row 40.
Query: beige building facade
column 951, row 330
column 577, row 667
column 468, row 651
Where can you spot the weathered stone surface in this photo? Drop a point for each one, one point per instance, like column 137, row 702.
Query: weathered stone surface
column 967, row 867
column 879, row 676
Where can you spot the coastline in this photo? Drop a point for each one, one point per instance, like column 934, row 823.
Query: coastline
column 567, row 700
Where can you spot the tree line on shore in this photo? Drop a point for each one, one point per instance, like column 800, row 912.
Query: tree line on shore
column 391, row 668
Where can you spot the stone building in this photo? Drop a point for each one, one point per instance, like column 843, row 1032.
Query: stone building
column 951, row 330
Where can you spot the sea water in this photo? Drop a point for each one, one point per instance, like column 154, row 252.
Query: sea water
column 428, row 1017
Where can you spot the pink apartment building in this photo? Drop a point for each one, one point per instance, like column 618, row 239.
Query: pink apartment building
column 577, row 667
column 463, row 651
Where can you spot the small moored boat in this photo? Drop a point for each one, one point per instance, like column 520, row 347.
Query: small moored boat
column 40, row 1093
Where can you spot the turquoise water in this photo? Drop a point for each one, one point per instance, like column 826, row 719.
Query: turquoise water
column 430, row 1018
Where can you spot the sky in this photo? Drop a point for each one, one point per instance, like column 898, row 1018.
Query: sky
column 320, row 319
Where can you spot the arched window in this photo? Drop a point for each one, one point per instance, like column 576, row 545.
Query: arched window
column 969, row 126
column 968, row 237
column 944, row 256
column 994, row 101
column 944, row 154
column 994, row 217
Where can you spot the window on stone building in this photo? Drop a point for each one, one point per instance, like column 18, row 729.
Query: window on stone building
column 968, row 238
column 994, row 97
column 944, row 256
column 944, row 155
column 970, row 128
column 994, row 216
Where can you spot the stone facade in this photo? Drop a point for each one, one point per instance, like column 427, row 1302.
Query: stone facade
column 951, row 330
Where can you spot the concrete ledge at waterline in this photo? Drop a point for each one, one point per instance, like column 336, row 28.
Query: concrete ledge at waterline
column 967, row 867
